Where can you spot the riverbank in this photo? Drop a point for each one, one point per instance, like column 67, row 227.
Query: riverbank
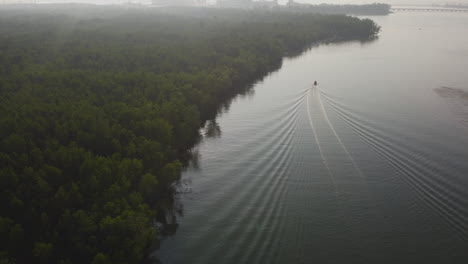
column 390, row 172
column 98, row 109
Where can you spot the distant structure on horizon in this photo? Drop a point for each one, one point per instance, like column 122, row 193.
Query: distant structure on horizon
column 292, row 3
column 179, row 2
column 454, row 5
column 13, row 2
column 247, row 3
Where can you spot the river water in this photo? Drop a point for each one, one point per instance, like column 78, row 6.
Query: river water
column 369, row 166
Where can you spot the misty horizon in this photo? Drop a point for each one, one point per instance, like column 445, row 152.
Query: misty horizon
column 242, row 131
column 392, row 2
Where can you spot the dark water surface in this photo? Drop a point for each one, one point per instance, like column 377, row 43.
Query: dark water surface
column 370, row 166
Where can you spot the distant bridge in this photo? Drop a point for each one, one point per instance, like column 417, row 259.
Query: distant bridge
column 421, row 9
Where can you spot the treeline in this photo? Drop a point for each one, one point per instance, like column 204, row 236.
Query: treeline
column 96, row 112
column 365, row 9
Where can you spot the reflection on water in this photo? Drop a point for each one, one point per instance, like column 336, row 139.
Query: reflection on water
column 367, row 167
column 211, row 129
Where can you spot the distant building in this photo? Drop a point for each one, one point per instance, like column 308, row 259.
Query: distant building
column 174, row 2
column 235, row 3
column 291, row 3
column 247, row 3
column 265, row 4
column 7, row 2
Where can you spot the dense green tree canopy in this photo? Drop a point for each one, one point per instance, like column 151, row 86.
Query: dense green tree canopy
column 97, row 108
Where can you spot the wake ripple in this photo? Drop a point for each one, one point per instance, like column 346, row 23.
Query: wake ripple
column 345, row 149
column 254, row 207
column 324, row 160
column 422, row 175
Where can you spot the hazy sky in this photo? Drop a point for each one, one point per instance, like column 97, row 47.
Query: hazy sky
column 281, row 1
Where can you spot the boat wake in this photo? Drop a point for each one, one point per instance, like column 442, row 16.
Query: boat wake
column 324, row 160
column 345, row 149
column 436, row 184
column 257, row 193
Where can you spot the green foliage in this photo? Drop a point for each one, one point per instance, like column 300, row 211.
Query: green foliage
column 147, row 184
column 42, row 252
column 95, row 113
column 101, row 259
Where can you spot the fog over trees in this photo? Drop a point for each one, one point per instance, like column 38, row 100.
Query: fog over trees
column 339, row 2
column 98, row 109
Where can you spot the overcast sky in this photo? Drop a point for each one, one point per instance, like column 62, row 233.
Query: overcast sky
column 281, row 1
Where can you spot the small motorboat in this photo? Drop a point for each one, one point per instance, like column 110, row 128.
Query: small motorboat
column 315, row 83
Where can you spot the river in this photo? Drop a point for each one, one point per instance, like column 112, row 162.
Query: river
column 369, row 166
